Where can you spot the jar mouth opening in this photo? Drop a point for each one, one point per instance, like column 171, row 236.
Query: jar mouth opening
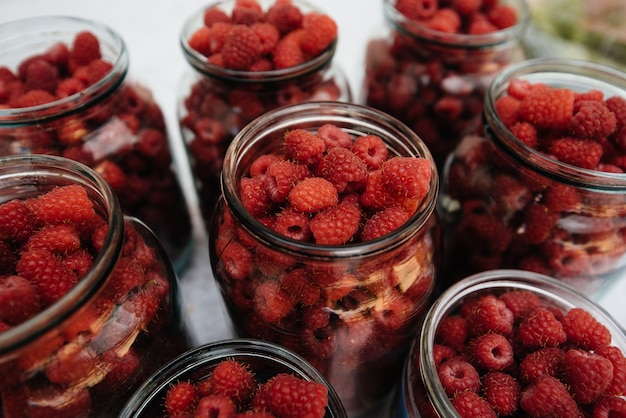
column 466, row 41
column 566, row 73
column 44, row 32
column 361, row 120
column 40, row 168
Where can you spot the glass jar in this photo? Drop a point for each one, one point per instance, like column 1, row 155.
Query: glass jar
column 421, row 392
column 216, row 102
column 86, row 346
column 507, row 204
column 90, row 111
column 264, row 359
column 368, row 296
column 432, row 80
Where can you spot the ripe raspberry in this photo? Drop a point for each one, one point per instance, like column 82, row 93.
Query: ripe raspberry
column 526, row 133
column 65, row 204
column 215, row 406
column 268, row 35
column 541, row 329
column 253, row 196
column 502, row 391
column 234, row 380
column 584, row 330
column 33, row 98
column 303, row 145
column 578, row 152
column 491, row 351
column 371, row 149
column 539, row 222
column 280, row 177
column 549, row 108
column 40, row 75
column 341, row 167
column 313, row 194
column 16, row 221
column 548, row 397
column 562, row 198
column 19, row 300
column 293, row 224
column 259, row 166
column 442, row 353
column 444, row 20
column 488, row 234
column 545, row 361
column 288, row 396
column 452, row 331
column 520, row 302
column 417, row 9
column 407, row 177
column 609, row 407
column 617, row 105
column 271, row 302
column 488, row 314
column 213, row 15
column 288, row 52
column 300, row 287
column 587, row 374
column 236, row 260
column 334, row 136
column 247, row 12
column 457, row 376
column 471, row 405
column 467, row 7
column 616, row 356
column 592, row 120
column 51, row 278
column 320, row 31
column 242, row 47
column 338, row 225
column 181, row 399
column 502, row 16
column 285, row 16
column 85, row 48
column 119, row 369
column 508, row 108
column 383, row 222
column 58, row 239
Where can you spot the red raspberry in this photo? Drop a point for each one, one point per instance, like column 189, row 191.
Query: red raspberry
column 610, row 407
column 491, row 351
column 338, row 225
column 242, row 47
column 375, row 195
column 457, row 376
column 234, row 380
column 442, row 353
column 526, row 133
column 539, row 222
column 584, row 330
column 280, row 177
column 269, row 36
column 592, row 120
column 40, row 75
column 213, row 15
column 334, row 136
column 407, row 177
column 65, row 204
column 507, row 108
column 259, row 166
column 617, row 105
column 33, row 98
column 216, row 406
column 520, row 302
column 417, row 9
column 51, row 278
column 181, row 399
column 288, row 396
column 488, row 234
column 293, row 224
column 219, row 33
column 16, row 221
column 253, row 196
column 313, row 194
column 95, row 71
column 562, row 198
column 300, row 287
column 471, row 405
column 578, row 152
column 467, row 7
column 201, row 40
column 237, row 260
column 541, row 329
column 341, row 167
column 548, row 398
column 19, row 300
column 304, row 146
column 545, row 361
column 320, row 32
column 371, row 149
column 488, row 314
column 271, row 302
column 481, row 26
column 502, row 392
column 288, row 52
column 120, row 369
column 549, row 108
column 502, row 16
column 444, row 20
column 85, row 48
column 452, row 331
column 285, row 16
column 588, row 375
column 55, row 238
column 616, row 356
column 383, row 222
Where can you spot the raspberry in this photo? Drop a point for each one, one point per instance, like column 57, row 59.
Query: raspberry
column 371, row 149
column 242, row 47
column 417, row 9
column 488, row 314
column 271, row 302
column 502, row 392
column 592, row 120
column 334, row 136
column 65, row 204
column 407, row 177
column 338, row 225
column 119, row 369
column 520, row 302
column 298, row 285
column 442, row 353
column 452, row 331
column 610, row 407
column 467, row 7
column 268, row 35
column 486, row 232
column 320, row 31
column 215, row 406
column 577, row 152
column 213, row 15
column 491, row 351
column 458, row 376
column 181, row 399
column 19, row 300
column 16, row 221
column 615, row 355
column 253, row 196
column 588, row 375
column 502, row 16
column 33, row 98
column 71, row 363
column 237, row 260
column 313, row 194
column 341, row 167
column 444, row 20
column 51, row 278
column 40, row 75
column 541, row 329
column 304, row 146
column 293, row 224
column 562, row 198
column 288, row 52
column 481, row 26
column 260, row 165
column 617, row 105
column 85, row 48
column 247, row 12
column 234, row 380
column 584, row 330
column 545, row 361
column 280, row 177
column 54, row 238
column 538, row 223
column 285, row 16
column 291, row 397
column 548, row 397
column 383, row 222
column 526, row 133
column 508, row 108
column 470, row 405
column 96, row 71
column 549, row 108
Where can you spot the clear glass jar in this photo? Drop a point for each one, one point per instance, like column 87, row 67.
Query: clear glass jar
column 435, row 81
column 216, row 102
column 264, row 359
column 372, row 293
column 421, row 393
column 98, row 116
column 498, row 180
column 83, row 353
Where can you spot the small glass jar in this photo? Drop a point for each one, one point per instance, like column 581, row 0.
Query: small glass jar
column 435, row 81
column 216, row 102
column 83, row 353
column 97, row 116
column 264, row 359
column 421, row 393
column 496, row 185
column 371, row 294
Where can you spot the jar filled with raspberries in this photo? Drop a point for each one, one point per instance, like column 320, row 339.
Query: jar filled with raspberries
column 89, row 301
column 544, row 189
column 326, row 240
column 247, row 57
column 236, row 378
column 64, row 91
column 514, row 343
column 431, row 66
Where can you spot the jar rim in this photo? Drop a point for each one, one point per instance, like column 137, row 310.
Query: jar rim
column 201, row 64
column 364, row 118
column 465, row 41
column 91, row 282
column 56, row 26
column 563, row 72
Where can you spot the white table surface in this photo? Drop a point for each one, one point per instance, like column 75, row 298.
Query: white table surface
column 151, row 29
